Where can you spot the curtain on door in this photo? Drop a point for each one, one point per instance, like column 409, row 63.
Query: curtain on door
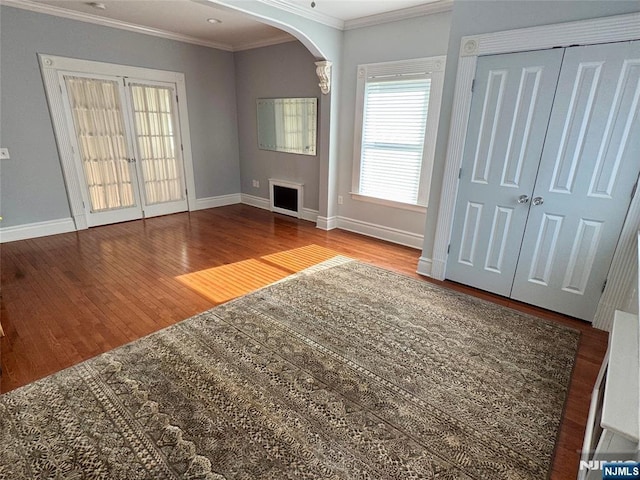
column 99, row 123
column 156, row 139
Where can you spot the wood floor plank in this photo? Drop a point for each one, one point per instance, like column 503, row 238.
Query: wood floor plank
column 68, row 297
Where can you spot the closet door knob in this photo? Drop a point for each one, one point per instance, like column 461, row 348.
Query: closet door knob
column 537, row 201
column 522, row 199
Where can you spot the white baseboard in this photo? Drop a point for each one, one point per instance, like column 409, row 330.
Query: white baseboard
column 326, row 223
column 424, row 266
column 309, row 215
column 381, row 232
column 219, row 201
column 259, row 202
column 37, row 229
column 254, row 201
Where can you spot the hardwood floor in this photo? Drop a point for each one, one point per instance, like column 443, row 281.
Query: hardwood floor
column 69, row 297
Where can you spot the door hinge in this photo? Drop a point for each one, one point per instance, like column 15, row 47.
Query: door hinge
column 604, row 286
column 177, row 101
column 473, row 84
column 181, row 148
column 634, row 189
column 460, row 173
column 448, row 248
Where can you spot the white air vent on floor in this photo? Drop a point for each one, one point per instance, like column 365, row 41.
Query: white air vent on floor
column 286, row 197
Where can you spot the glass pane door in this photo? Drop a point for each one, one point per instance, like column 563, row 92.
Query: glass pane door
column 158, row 148
column 100, row 134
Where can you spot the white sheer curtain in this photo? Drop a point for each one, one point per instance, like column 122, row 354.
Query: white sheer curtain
column 99, row 123
column 155, row 135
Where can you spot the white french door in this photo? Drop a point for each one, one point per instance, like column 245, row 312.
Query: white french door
column 157, row 147
column 102, row 146
column 126, row 142
column 548, row 174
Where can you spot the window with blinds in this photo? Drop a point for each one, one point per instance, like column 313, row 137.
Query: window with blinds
column 393, row 116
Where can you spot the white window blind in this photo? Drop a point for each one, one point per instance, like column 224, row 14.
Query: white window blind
column 397, row 110
column 394, row 123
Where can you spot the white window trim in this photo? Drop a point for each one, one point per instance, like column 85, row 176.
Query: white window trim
column 51, row 66
column 435, row 67
column 389, row 203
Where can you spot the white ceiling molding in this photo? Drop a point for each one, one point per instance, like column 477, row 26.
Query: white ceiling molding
column 402, row 14
column 370, row 20
column 265, row 43
column 306, row 13
column 108, row 22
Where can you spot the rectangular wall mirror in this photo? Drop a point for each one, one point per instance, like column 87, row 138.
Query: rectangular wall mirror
column 287, row 125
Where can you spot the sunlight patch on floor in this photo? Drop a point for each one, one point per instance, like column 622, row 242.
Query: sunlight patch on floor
column 298, row 259
column 220, row 284
column 226, row 282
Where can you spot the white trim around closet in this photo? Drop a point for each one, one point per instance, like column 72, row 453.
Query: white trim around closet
column 585, row 32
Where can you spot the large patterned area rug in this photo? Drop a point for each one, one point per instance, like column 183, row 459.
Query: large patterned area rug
column 344, row 372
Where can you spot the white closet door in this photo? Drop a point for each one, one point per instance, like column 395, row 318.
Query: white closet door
column 95, row 109
column 158, row 148
column 512, row 99
column 589, row 166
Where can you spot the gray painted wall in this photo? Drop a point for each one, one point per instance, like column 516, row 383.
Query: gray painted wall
column 32, row 187
column 475, row 17
column 424, row 36
column 285, row 70
column 324, row 43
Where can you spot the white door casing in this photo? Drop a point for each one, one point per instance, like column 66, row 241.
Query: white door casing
column 584, row 32
column 51, row 66
column 589, row 165
column 513, row 95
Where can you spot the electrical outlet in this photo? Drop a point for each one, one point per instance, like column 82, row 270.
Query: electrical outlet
column 4, row 154
column 256, row 183
column 339, row 199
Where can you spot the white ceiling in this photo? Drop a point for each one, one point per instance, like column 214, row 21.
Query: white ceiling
column 186, row 20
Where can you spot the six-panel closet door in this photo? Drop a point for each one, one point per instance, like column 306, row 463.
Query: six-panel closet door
column 512, row 99
column 126, row 142
column 547, row 234
column 589, row 166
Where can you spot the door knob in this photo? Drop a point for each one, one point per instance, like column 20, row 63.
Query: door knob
column 522, row 199
column 537, row 201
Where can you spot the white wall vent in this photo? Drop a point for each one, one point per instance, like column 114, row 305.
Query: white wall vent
column 286, row 197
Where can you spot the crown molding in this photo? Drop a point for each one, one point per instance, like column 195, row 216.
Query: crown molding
column 431, row 8
column 265, row 43
column 306, row 13
column 108, row 22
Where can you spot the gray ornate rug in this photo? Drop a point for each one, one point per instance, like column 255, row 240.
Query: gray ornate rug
column 348, row 372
